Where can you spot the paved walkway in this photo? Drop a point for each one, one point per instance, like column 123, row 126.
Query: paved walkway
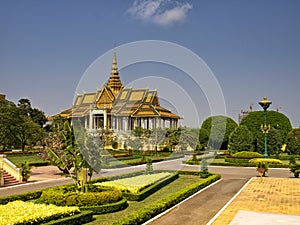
column 273, row 195
column 267, row 201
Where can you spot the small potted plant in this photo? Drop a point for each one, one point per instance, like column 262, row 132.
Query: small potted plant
column 25, row 171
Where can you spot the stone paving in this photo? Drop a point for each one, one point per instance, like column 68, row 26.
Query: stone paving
column 269, row 195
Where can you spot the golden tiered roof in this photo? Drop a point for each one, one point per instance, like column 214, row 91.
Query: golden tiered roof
column 140, row 103
column 119, row 101
column 114, row 82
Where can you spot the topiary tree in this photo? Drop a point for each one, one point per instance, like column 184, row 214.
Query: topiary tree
column 277, row 120
column 293, row 142
column 219, row 129
column 203, row 138
column 241, row 139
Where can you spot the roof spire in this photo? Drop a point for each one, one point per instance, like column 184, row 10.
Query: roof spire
column 114, row 68
column 114, row 82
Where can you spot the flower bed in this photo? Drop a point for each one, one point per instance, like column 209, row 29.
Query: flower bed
column 135, row 184
column 19, row 212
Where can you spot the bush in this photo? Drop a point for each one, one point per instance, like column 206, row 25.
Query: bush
column 248, row 155
column 107, row 208
column 78, row 219
column 295, row 169
column 66, row 198
column 242, row 157
column 23, row 197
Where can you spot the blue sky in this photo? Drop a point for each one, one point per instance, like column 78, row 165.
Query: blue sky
column 252, row 47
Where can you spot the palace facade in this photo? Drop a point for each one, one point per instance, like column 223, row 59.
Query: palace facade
column 118, row 108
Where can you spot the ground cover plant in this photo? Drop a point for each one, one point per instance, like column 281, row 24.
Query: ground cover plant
column 135, row 184
column 19, row 212
column 67, row 195
column 32, row 159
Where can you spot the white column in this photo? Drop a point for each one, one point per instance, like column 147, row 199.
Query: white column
column 91, row 121
column 105, row 120
column 85, row 122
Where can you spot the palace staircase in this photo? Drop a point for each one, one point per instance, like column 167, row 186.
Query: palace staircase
column 9, row 180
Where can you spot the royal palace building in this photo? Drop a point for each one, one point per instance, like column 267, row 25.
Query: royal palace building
column 119, row 108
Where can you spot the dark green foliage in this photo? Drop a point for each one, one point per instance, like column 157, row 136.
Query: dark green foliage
column 274, row 142
column 150, row 190
column 241, row 139
column 148, row 212
column 20, row 125
column 77, row 219
column 203, row 138
column 62, row 197
column 107, row 208
column 23, row 197
column 293, row 142
column 219, row 129
column 295, row 169
column 277, row 120
column 149, row 166
column 204, row 169
column 25, row 171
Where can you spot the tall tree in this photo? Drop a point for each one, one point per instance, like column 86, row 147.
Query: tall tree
column 219, row 129
column 277, row 120
column 293, row 142
column 28, row 132
column 8, row 115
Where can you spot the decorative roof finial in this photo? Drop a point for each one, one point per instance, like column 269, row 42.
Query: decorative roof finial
column 114, row 82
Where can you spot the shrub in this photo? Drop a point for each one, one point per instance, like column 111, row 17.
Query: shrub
column 263, row 164
column 23, row 197
column 107, row 208
column 30, row 213
column 248, row 155
column 61, row 197
column 81, row 218
column 295, row 169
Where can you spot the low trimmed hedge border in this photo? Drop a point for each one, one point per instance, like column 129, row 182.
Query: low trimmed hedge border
column 108, row 208
column 77, row 219
column 148, row 212
column 150, row 190
column 23, row 197
column 239, row 164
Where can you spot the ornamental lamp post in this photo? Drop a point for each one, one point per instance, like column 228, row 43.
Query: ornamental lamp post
column 265, row 129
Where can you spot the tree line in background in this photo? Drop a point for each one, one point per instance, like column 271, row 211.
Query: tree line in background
column 22, row 125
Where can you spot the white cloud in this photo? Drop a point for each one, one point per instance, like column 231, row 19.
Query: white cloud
column 161, row 12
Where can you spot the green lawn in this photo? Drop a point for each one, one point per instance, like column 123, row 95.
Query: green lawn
column 182, row 182
column 17, row 159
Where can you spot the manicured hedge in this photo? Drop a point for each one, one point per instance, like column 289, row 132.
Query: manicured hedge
column 150, row 190
column 23, row 197
column 247, row 154
column 62, row 198
column 78, row 219
column 108, row 208
column 237, row 160
column 148, row 212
